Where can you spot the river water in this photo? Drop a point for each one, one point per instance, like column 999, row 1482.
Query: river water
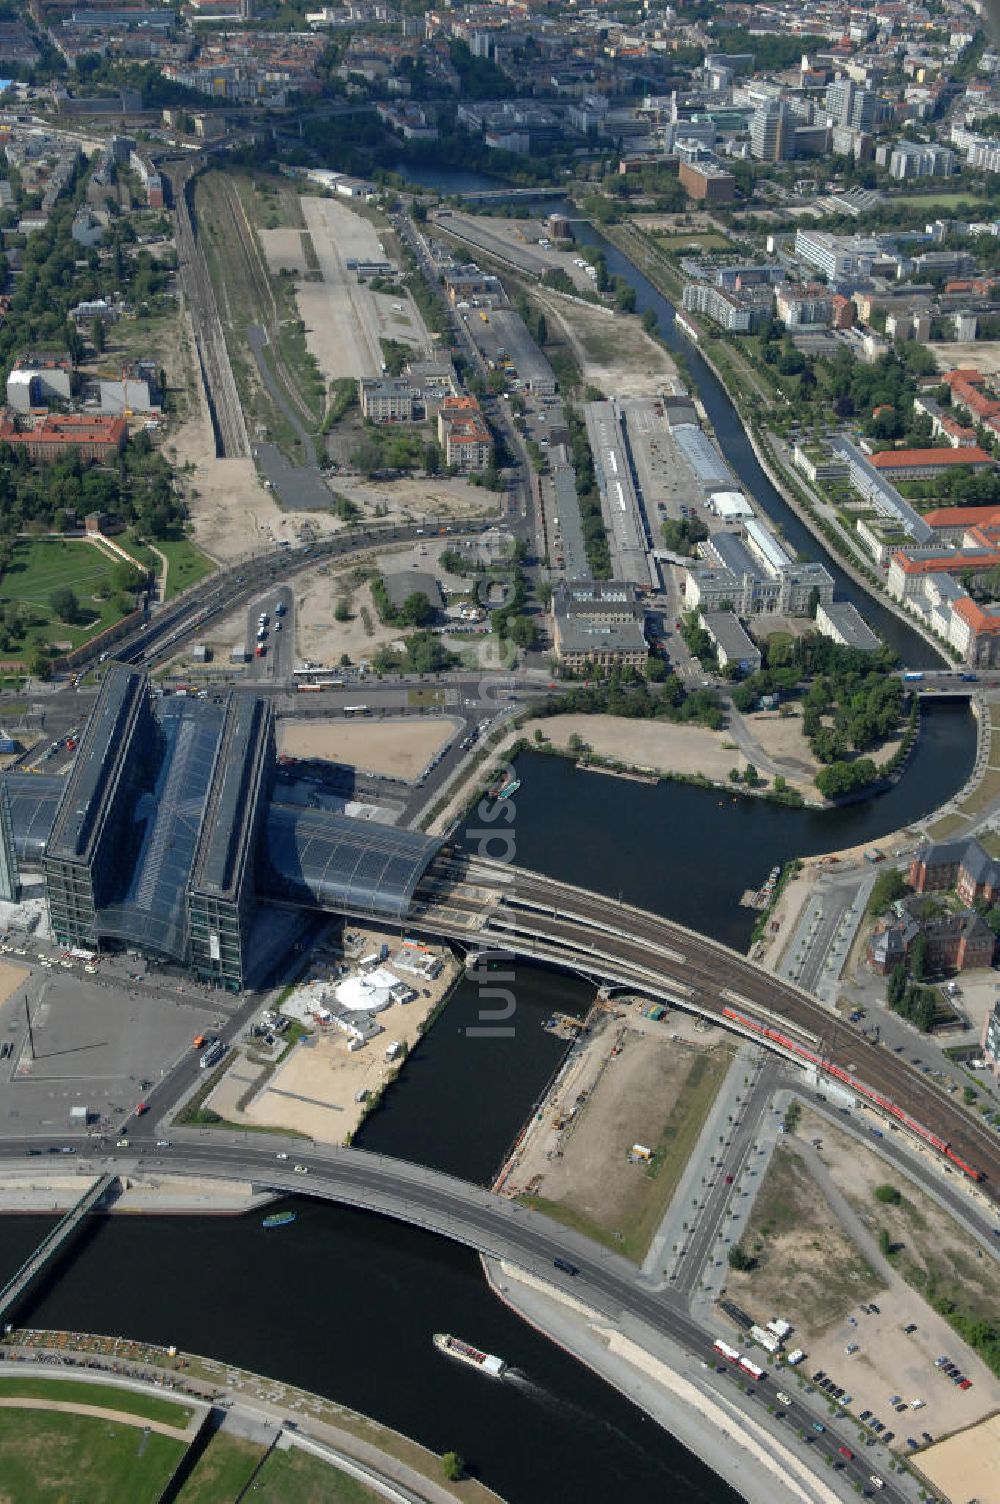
column 345, row 1303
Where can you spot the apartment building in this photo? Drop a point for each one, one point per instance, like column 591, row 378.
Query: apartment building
column 464, row 435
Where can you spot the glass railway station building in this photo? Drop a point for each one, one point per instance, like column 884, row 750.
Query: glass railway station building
column 169, row 830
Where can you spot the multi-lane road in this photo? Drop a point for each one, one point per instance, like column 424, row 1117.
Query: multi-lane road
column 491, row 1224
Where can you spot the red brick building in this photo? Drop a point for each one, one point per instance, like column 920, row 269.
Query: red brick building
column 47, row 437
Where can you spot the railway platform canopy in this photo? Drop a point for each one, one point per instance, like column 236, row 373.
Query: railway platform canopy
column 329, row 861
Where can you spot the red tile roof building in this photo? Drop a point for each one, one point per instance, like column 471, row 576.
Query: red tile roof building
column 48, row 436
column 923, row 464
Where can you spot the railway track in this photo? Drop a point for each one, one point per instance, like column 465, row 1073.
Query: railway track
column 232, row 439
column 589, row 932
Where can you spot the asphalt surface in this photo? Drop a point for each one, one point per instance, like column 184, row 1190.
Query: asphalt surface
column 491, row 1224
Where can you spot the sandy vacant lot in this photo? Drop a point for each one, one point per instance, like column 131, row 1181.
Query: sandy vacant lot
column 966, row 1466
column 283, row 250
column 315, row 1091
column 808, row 1270
column 983, row 354
column 322, row 639
column 11, row 978
column 399, row 749
column 232, row 513
column 645, row 744
column 782, row 740
column 613, row 350
column 655, row 1091
column 408, row 498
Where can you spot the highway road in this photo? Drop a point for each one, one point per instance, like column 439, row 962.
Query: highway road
column 493, row 904
column 491, row 1224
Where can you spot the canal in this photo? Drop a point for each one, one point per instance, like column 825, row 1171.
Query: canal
column 913, row 649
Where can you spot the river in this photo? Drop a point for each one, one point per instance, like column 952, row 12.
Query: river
column 345, row 1303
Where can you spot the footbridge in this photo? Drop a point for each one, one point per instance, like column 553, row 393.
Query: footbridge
column 488, row 906
column 55, row 1242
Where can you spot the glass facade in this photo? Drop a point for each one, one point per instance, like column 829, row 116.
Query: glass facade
column 163, row 836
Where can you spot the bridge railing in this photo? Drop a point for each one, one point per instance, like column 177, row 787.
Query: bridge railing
column 54, row 1237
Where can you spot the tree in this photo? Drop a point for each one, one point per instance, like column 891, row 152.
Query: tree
column 812, row 605
column 453, row 1466
column 738, row 1258
column 889, row 887
column 416, row 610
column 918, row 958
column 97, row 336
column 342, row 611
column 65, row 604
column 650, row 322
column 432, row 458
column 39, row 666
column 896, row 989
column 522, row 630
column 888, row 1195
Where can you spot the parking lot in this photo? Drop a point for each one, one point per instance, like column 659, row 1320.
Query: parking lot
column 89, row 1039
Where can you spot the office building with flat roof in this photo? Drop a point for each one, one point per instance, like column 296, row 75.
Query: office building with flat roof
column 167, row 833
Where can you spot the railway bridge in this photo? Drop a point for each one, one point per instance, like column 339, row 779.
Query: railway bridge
column 489, row 906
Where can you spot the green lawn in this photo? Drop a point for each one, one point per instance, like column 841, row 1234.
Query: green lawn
column 55, row 1458
column 939, row 200
column 221, row 1471
column 45, row 565
column 707, row 240
column 109, row 1396
column 295, row 1477
column 188, row 564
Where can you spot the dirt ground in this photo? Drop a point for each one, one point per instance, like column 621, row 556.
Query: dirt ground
column 232, row 513
column 399, row 749
column 322, row 639
column 11, row 978
column 979, row 354
column 283, row 250
column 660, row 745
column 808, row 1270
column 935, row 1250
column 409, row 498
column 966, row 1466
column 655, row 1091
column 613, row 350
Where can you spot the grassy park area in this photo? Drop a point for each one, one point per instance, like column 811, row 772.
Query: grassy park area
column 187, row 564
column 106, row 1396
column 293, row 1477
column 43, row 566
column 47, row 1456
column 222, row 1471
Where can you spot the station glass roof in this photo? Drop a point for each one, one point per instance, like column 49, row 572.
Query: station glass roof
column 331, row 861
column 34, row 799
